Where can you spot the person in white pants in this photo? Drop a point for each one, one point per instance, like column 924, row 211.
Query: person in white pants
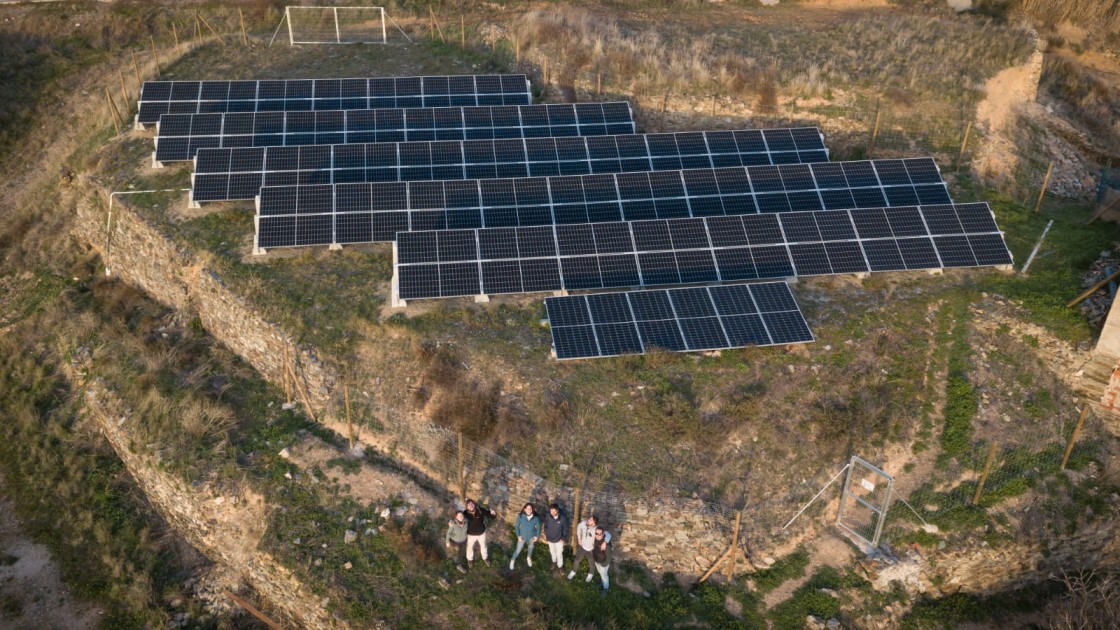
column 476, row 516
column 555, row 530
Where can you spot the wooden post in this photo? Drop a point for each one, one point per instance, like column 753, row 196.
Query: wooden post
column 1073, row 438
column 155, row 53
column 113, row 113
column 575, row 510
column 1093, row 289
column 349, row 422
column 517, row 49
column 253, row 611
column 175, row 34
column 303, row 395
column 984, row 475
column 462, row 473
column 287, row 376
column 598, row 84
column 197, row 26
column 462, row 30
column 1045, row 183
column 874, row 129
column 244, row 35
column 435, row 22
column 124, row 87
column 544, row 77
column 211, row 29
column 136, row 69
column 734, row 546
column 964, row 144
column 664, row 107
column 1099, row 213
column 713, row 105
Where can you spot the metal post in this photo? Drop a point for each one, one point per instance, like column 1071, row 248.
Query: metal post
column 244, row 35
column 883, row 514
column 1073, row 438
column 337, row 31
column 844, row 489
column 384, row 37
column 288, row 17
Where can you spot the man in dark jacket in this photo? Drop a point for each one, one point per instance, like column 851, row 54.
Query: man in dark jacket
column 601, row 555
column 476, row 516
column 555, row 533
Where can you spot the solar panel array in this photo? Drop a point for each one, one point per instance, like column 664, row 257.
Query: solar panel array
column 215, row 97
column 289, row 216
column 226, row 174
column 694, row 319
column 180, row 136
column 450, row 263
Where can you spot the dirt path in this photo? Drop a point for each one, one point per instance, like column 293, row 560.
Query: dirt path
column 32, row 594
column 827, row 549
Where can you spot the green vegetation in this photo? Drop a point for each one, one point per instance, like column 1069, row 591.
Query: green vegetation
column 783, row 570
column 960, row 397
column 813, row 598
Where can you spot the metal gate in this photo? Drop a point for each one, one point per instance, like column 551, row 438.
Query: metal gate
column 864, row 501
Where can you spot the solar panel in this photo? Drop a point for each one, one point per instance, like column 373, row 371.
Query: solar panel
column 478, row 159
column 676, row 320
column 217, row 97
column 391, row 207
column 180, row 136
column 699, row 250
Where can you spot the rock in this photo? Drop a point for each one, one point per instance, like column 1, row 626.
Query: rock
column 768, row 561
column 832, row 624
column 385, row 513
column 287, row 475
column 829, row 592
column 372, row 531
column 288, row 406
column 350, row 536
column 443, row 584
column 348, row 566
column 285, row 454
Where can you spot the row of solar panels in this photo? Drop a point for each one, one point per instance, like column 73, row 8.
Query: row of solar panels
column 202, row 97
column 227, row 174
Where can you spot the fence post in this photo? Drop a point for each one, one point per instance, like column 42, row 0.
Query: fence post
column 517, row 49
column 732, row 556
column 874, row 129
column 244, row 35
column 349, row 422
column 1073, row 437
column 155, row 53
column 175, row 34
column 598, row 84
column 713, row 105
column 136, row 69
column 664, row 107
column 287, row 380
column 964, row 144
column 462, row 476
column 462, row 30
column 113, row 113
column 1045, row 183
column 124, row 88
column 984, row 475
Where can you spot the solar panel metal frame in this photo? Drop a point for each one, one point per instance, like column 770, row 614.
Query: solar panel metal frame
column 216, row 169
column 176, row 139
column 439, row 205
column 753, row 251
column 197, row 97
column 582, row 333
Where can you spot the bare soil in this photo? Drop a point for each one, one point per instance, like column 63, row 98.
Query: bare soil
column 32, row 594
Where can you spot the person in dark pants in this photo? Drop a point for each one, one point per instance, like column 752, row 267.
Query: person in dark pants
column 476, row 516
column 555, row 528
column 457, row 535
column 585, row 543
column 601, row 555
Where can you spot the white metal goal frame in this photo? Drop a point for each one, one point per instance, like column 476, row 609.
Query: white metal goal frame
column 335, row 25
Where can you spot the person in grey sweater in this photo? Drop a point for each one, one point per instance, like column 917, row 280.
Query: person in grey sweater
column 457, row 535
column 555, row 533
column 528, row 530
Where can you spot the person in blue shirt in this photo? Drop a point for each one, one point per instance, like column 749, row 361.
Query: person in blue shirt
column 528, row 530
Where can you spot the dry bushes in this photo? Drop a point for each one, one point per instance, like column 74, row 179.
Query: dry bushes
column 1091, row 14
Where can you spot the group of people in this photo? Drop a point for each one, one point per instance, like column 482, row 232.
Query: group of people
column 468, row 530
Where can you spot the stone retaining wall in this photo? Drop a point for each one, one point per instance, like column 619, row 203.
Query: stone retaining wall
column 226, row 529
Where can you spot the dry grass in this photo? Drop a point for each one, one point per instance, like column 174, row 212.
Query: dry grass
column 933, row 54
column 1091, row 14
